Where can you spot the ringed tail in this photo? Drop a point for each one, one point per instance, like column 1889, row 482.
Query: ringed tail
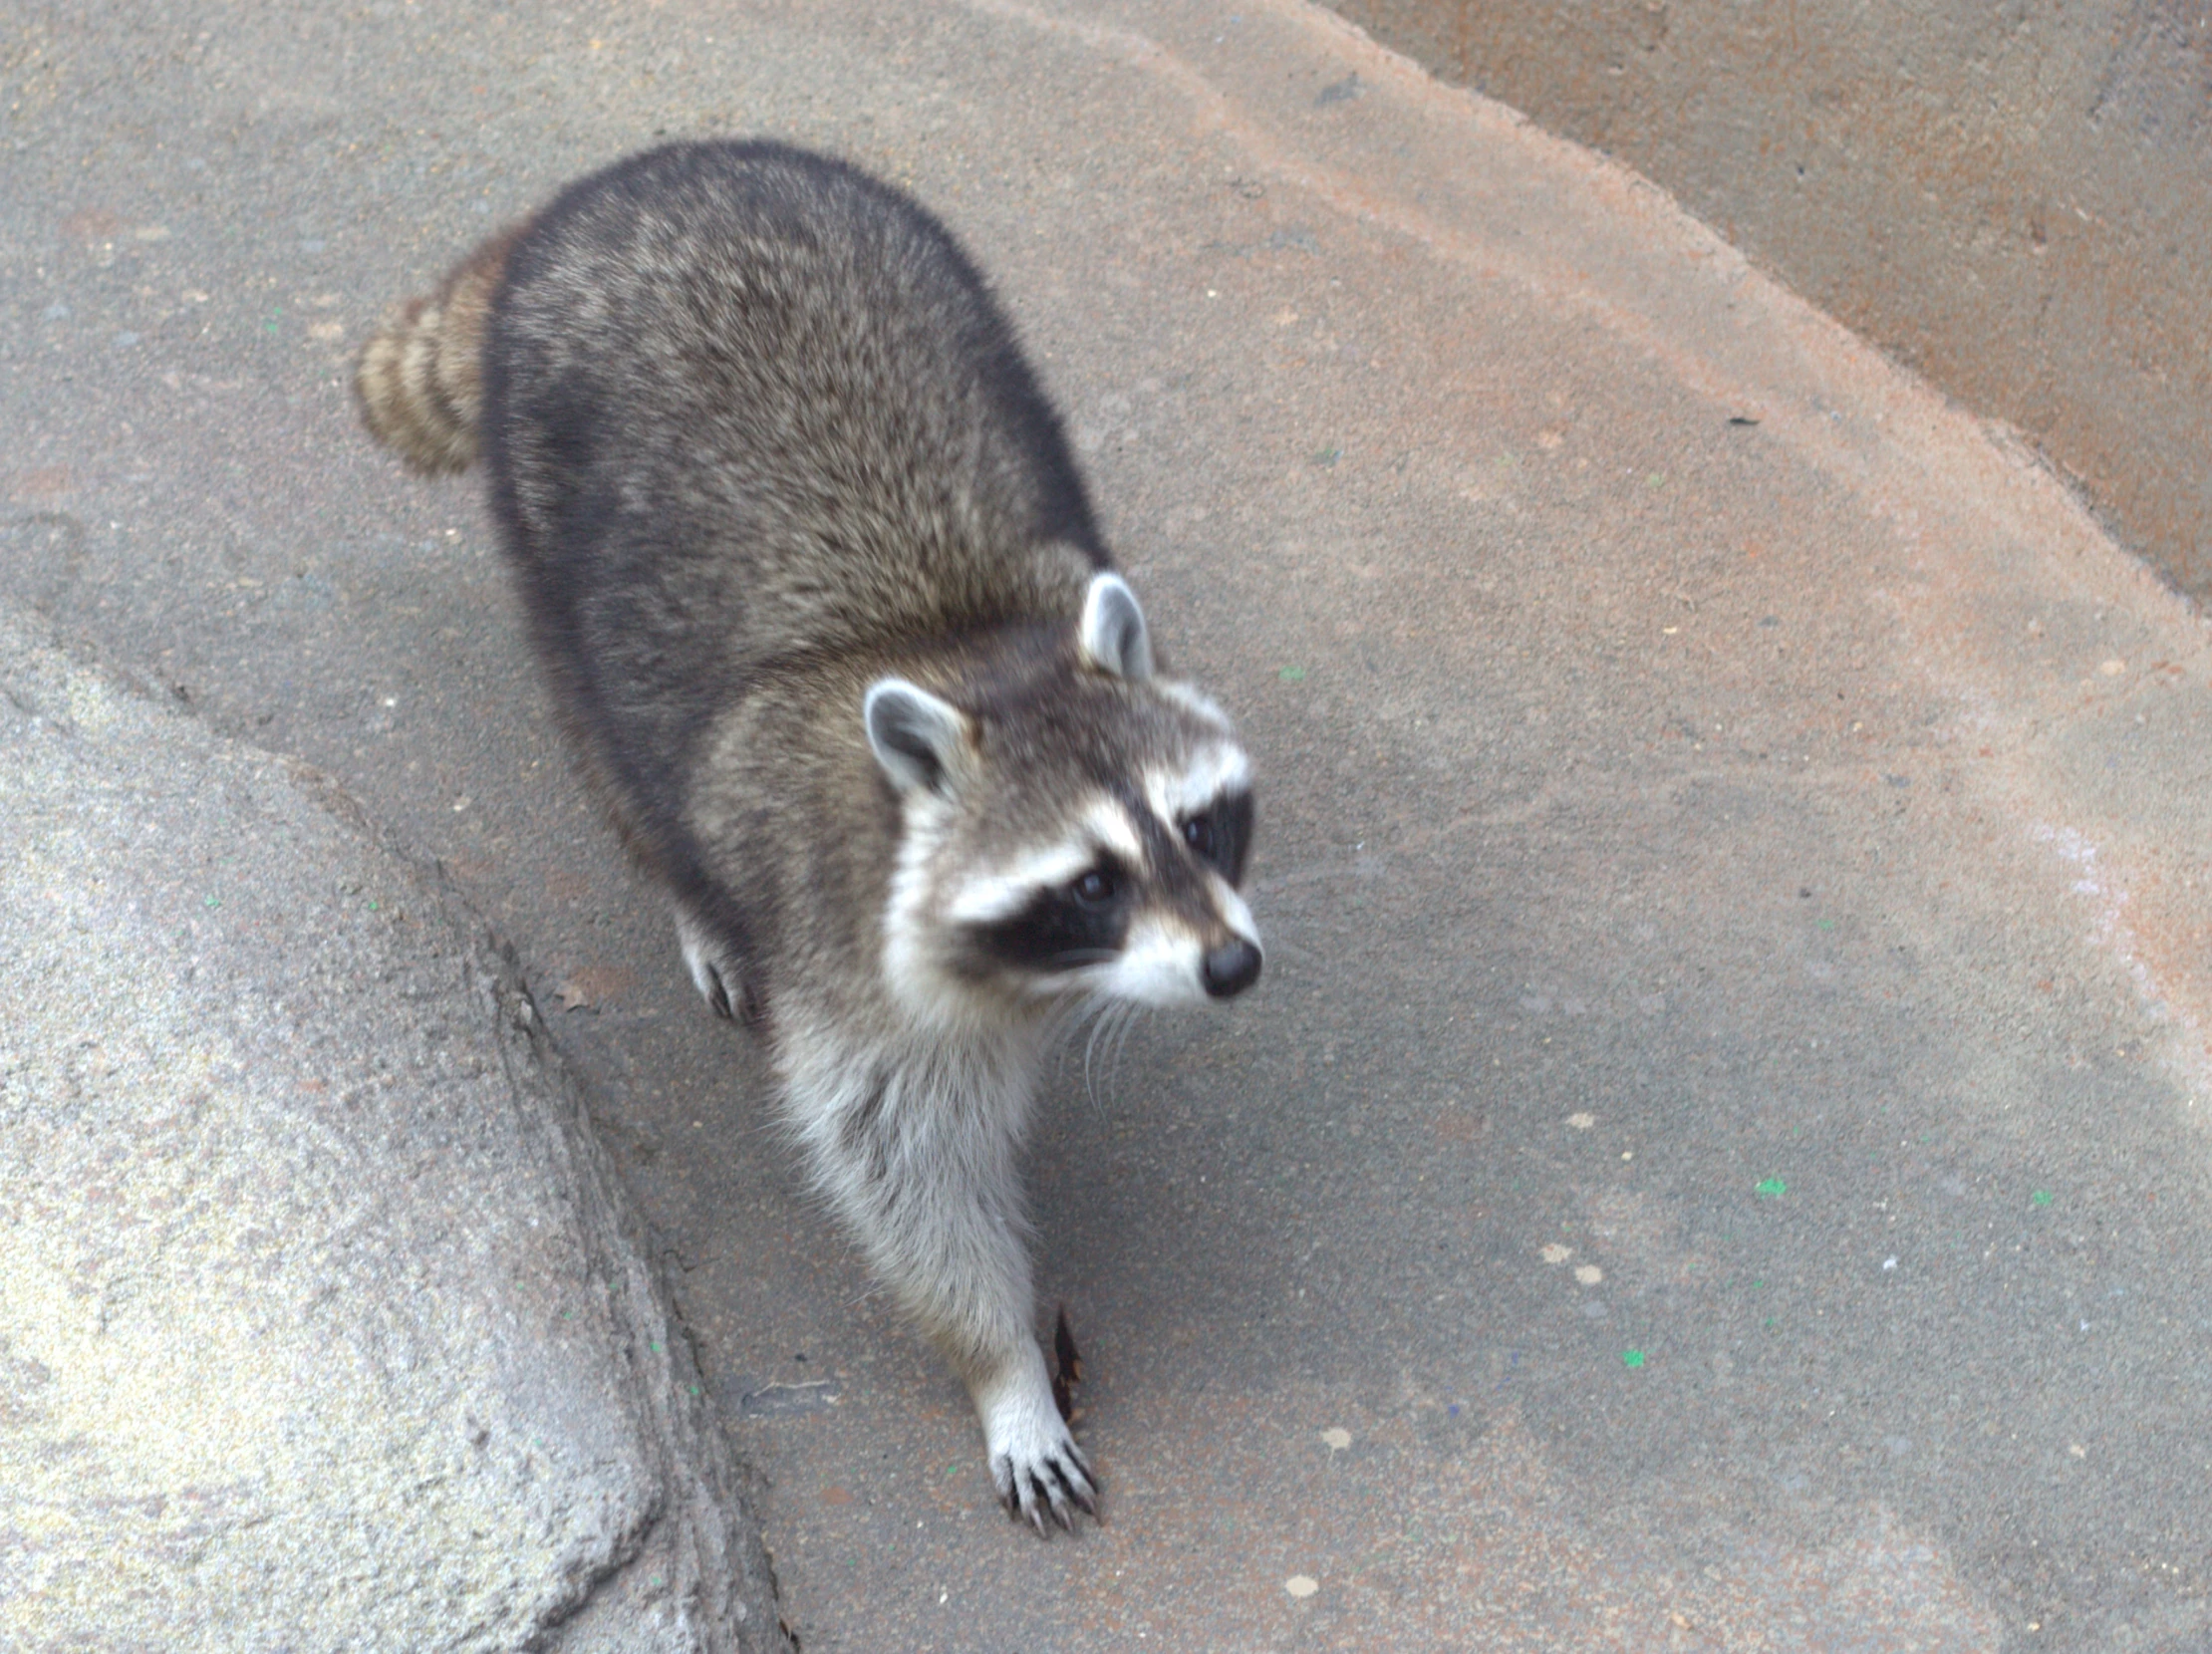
column 419, row 380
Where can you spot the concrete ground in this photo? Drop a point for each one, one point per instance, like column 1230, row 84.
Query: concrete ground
column 1717, row 1158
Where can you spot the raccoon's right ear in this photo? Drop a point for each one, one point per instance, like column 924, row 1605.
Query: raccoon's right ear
column 916, row 737
column 1112, row 633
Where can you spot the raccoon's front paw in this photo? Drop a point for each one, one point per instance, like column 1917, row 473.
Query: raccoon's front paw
column 716, row 972
column 1036, row 1465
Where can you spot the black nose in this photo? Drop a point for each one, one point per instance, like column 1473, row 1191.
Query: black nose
column 1231, row 968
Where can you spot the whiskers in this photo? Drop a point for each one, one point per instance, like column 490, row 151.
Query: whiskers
column 1104, row 1022
column 1110, row 1032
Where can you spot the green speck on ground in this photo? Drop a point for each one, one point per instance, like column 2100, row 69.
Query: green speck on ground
column 1631, row 1358
column 1292, row 675
column 1826, row 923
column 1327, row 456
column 2040, row 1197
column 211, row 901
column 1772, row 1185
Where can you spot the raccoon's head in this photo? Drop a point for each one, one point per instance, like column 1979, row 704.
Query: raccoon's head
column 1072, row 824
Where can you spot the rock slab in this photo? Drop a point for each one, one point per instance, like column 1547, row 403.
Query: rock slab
column 323, row 1321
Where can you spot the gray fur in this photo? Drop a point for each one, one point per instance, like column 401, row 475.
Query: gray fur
column 822, row 603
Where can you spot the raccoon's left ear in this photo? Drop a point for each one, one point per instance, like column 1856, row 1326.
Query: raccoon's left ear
column 916, row 736
column 1112, row 635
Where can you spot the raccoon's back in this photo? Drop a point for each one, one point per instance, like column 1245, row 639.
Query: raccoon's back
column 744, row 403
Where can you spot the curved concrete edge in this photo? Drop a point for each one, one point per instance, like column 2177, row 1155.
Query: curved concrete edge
column 324, row 1320
column 2007, row 599
column 2010, row 201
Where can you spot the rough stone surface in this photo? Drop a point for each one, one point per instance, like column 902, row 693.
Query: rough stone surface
column 322, row 1323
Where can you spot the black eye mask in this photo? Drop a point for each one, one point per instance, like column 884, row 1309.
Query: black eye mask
column 1221, row 835
column 1060, row 928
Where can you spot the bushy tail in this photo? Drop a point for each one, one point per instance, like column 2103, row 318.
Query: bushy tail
column 419, row 380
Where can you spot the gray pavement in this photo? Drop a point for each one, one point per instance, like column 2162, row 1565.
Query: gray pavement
column 1717, row 1158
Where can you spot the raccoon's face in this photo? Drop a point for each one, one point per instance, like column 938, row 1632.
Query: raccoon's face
column 1080, row 832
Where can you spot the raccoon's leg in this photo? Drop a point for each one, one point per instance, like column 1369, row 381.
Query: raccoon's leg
column 923, row 1167
column 1035, row 1462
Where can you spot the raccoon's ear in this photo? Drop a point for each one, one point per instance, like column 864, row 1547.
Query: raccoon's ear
column 916, row 736
column 1112, row 635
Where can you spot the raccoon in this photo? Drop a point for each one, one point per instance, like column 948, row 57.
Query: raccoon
column 828, row 617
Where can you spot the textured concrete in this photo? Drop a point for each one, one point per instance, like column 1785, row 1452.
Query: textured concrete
column 322, row 1326
column 1698, row 758
column 2009, row 198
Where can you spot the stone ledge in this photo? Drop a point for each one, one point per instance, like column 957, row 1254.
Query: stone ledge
column 324, row 1322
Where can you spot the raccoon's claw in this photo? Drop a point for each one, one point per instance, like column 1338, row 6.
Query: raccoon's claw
column 1085, row 1494
column 1031, row 1503
column 1055, row 1484
column 717, row 974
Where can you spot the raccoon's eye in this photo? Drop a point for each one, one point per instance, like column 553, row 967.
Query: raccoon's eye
column 1095, row 889
column 1219, row 835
